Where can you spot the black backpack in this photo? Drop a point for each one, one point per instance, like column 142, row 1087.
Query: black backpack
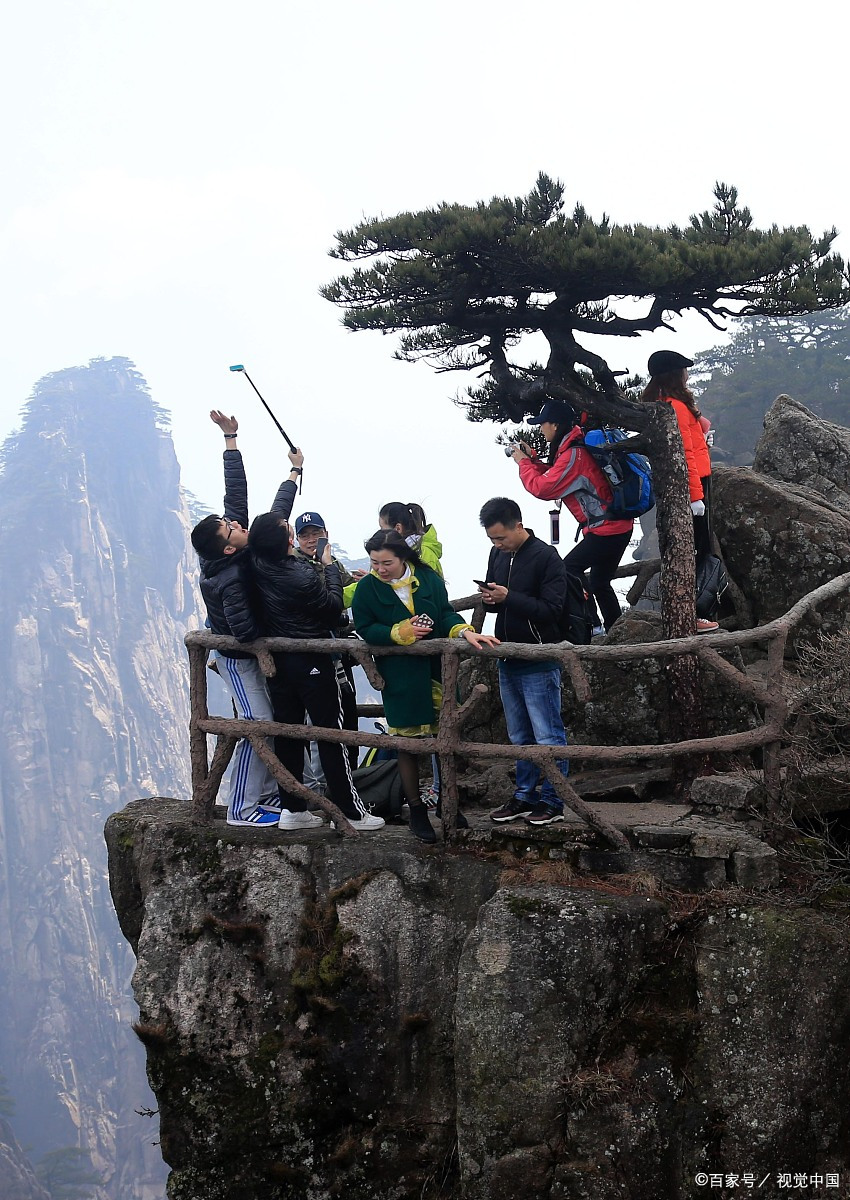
column 711, row 584
column 578, row 616
column 629, row 475
column 379, row 787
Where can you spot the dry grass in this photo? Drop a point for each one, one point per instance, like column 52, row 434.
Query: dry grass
column 601, row 1084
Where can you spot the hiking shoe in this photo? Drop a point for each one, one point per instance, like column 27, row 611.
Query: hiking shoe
column 299, row 820
column 365, row 824
column 512, row 811
column 704, row 626
column 544, row 814
column 420, row 826
column 258, row 819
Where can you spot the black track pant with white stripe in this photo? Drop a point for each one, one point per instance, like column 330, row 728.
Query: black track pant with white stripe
column 306, row 683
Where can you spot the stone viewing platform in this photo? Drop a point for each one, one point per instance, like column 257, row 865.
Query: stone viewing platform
column 686, row 846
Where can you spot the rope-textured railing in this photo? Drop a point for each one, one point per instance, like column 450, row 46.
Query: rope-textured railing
column 448, row 743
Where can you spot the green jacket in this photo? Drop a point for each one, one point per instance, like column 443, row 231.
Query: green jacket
column 378, row 613
column 430, row 550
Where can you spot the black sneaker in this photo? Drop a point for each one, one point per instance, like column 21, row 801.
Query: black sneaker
column 544, row 814
column 512, row 811
column 420, row 826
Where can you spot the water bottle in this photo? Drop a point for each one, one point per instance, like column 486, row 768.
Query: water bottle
column 554, row 526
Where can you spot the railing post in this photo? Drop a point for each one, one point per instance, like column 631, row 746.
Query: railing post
column 447, row 737
column 224, row 748
column 198, row 711
column 776, row 715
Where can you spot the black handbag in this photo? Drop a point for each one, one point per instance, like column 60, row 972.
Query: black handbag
column 712, row 582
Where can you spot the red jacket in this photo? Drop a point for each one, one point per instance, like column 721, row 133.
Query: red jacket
column 576, row 478
column 697, row 457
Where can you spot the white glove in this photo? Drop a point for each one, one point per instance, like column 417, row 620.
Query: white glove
column 698, row 508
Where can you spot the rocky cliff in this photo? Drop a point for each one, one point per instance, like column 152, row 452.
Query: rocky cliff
column 96, row 592
column 386, row 1022
column 17, row 1178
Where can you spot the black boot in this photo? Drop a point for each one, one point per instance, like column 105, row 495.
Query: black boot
column 420, row 826
column 460, row 820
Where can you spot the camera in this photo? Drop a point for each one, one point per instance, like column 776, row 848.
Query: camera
column 509, row 449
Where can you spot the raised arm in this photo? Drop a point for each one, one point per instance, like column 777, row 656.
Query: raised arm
column 288, row 490
column 235, row 483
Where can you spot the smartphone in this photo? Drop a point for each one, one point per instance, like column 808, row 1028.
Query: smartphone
column 482, row 583
column 321, row 546
column 422, row 620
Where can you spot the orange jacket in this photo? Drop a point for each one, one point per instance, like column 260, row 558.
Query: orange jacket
column 697, row 457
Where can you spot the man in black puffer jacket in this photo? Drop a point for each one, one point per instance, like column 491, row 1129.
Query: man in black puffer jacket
column 526, row 586
column 221, row 543
column 297, row 601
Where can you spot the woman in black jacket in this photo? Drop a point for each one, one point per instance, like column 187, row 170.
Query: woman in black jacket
column 294, row 600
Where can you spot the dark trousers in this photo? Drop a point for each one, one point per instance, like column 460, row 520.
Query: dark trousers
column 601, row 556
column 348, row 694
column 702, row 526
column 307, row 684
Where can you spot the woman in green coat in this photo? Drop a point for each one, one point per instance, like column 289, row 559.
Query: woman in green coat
column 401, row 601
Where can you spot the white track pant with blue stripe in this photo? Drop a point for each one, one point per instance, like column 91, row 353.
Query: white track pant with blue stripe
column 251, row 782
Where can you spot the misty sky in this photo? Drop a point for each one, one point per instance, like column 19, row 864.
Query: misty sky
column 175, row 172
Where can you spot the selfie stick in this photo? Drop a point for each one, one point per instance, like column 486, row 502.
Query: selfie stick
column 238, row 367
column 281, row 430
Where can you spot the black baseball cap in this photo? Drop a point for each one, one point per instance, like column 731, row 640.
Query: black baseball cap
column 556, row 411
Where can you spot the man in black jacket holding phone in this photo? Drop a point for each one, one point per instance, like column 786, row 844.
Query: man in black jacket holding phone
column 526, row 587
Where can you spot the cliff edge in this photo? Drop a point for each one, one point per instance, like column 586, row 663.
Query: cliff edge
column 370, row 1018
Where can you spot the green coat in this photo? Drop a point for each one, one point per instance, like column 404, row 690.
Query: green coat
column 430, row 550
column 377, row 610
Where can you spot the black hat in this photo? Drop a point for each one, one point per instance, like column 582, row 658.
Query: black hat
column 556, row 411
column 663, row 361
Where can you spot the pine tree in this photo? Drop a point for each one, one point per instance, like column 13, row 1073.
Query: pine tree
column 463, row 285
column 67, row 1174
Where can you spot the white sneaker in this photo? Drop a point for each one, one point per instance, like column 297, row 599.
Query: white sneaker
column 299, row 820
column 364, row 824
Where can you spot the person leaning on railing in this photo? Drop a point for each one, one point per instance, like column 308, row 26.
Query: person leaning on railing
column 221, row 544
column 401, row 602
column 297, row 601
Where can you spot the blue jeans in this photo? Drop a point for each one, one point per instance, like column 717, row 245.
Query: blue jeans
column 532, row 704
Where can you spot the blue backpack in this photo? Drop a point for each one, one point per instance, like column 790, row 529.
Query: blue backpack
column 630, row 475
